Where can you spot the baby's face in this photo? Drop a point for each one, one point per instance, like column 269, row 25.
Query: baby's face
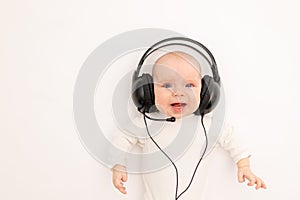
column 177, row 85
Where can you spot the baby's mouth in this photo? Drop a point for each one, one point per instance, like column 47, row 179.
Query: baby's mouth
column 178, row 105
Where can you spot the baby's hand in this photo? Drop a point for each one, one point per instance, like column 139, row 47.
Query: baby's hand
column 119, row 176
column 245, row 172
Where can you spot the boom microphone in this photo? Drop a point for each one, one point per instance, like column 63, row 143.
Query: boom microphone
column 170, row 119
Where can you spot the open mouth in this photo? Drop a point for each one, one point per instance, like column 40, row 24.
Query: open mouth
column 178, row 105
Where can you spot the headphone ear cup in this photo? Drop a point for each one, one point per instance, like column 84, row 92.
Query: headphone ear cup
column 209, row 95
column 137, row 92
column 143, row 93
column 148, row 93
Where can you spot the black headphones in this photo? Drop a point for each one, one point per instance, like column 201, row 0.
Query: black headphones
column 143, row 88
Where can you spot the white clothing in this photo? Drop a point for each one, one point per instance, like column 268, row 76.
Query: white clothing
column 160, row 183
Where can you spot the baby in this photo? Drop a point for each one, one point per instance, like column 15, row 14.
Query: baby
column 177, row 86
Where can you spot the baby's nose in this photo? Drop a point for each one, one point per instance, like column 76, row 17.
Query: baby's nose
column 178, row 91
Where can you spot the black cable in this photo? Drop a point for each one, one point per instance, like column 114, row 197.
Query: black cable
column 206, row 144
column 165, row 155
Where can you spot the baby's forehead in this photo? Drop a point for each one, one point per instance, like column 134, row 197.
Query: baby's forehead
column 176, row 60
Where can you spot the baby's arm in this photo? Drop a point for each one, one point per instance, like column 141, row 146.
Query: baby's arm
column 125, row 143
column 244, row 171
column 240, row 155
column 119, row 172
column 119, row 176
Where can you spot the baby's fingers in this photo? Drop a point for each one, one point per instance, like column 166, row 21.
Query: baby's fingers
column 241, row 177
column 122, row 189
column 120, row 186
column 263, row 185
column 117, row 182
column 251, row 181
column 260, row 184
column 124, row 177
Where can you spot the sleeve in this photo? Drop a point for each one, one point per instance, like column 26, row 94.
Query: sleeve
column 229, row 141
column 122, row 142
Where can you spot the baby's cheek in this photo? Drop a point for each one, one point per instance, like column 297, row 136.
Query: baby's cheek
column 159, row 98
column 196, row 95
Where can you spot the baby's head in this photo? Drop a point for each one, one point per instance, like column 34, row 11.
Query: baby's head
column 177, row 84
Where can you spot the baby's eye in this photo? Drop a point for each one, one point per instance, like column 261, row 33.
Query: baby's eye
column 189, row 85
column 167, row 85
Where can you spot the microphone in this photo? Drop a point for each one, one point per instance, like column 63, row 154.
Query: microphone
column 170, row 119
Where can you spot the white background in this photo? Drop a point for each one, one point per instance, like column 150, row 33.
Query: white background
column 44, row 43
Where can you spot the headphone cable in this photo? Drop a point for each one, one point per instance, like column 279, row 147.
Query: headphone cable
column 176, row 170
column 206, row 143
column 165, row 155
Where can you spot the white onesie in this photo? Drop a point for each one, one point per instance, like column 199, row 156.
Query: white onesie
column 158, row 174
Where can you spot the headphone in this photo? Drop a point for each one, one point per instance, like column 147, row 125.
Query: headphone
column 143, row 87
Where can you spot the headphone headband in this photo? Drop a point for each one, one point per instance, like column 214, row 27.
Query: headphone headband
column 213, row 64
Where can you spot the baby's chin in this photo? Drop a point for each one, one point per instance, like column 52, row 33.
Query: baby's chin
column 180, row 116
column 176, row 115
